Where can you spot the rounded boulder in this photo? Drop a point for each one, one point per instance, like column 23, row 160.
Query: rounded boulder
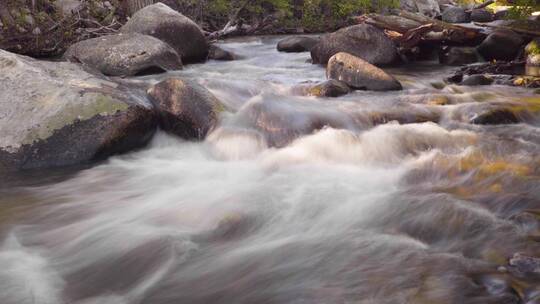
column 180, row 32
column 125, row 55
column 186, row 108
column 360, row 74
column 297, row 44
column 363, row 40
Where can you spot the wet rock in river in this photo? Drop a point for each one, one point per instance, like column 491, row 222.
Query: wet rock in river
column 217, row 53
column 168, row 25
column 458, row 56
column 501, row 45
column 56, row 114
column 125, row 55
column 359, row 74
column 456, row 14
column 330, row 88
column 186, row 108
column 481, row 15
column 297, row 44
column 363, row 40
column 523, row 264
column 476, row 80
column 496, row 117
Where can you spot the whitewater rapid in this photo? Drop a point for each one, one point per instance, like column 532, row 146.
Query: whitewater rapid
column 368, row 198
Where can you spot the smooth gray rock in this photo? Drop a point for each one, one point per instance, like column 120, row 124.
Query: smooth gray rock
column 477, row 80
column 125, row 55
column 217, row 53
column 456, row 14
column 481, row 15
column 56, row 114
column 363, row 40
column 186, row 108
column 501, row 45
column 297, row 44
column 168, row 25
column 359, row 74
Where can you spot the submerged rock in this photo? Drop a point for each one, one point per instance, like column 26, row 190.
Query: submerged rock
column 496, row 117
column 500, row 45
column 186, row 108
column 330, row 88
column 55, row 114
column 217, row 53
column 297, row 44
column 456, row 14
column 363, row 40
column 125, row 55
column 168, row 25
column 476, row 80
column 524, row 264
column 458, row 56
column 359, row 74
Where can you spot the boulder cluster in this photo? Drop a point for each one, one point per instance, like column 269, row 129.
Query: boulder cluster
column 68, row 113
column 79, row 110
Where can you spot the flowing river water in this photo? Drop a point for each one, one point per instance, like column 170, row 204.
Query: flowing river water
column 374, row 197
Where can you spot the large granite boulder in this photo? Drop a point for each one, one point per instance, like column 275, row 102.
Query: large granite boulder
column 502, row 45
column 125, row 55
column 168, row 25
column 186, row 108
column 359, row 74
column 56, row 114
column 297, row 44
column 363, row 40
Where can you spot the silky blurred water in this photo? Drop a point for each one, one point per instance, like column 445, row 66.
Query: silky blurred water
column 368, row 198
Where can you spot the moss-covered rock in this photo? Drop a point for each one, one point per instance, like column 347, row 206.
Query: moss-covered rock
column 56, row 114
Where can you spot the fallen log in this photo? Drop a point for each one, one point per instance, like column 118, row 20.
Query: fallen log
column 516, row 29
column 454, row 33
column 414, row 28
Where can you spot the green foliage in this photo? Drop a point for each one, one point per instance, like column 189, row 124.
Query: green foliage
column 522, row 9
column 312, row 15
